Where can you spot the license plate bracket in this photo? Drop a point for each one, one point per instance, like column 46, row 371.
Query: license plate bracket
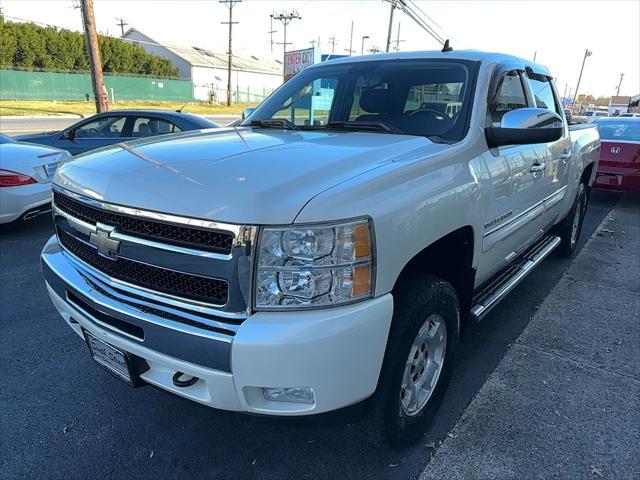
column 120, row 364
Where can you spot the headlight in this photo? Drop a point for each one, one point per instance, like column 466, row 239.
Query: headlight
column 314, row 266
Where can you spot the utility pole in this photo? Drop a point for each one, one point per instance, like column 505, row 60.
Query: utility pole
column 285, row 19
column 313, row 43
column 364, row 37
column 271, row 32
column 122, row 24
column 619, row 84
column 351, row 40
column 229, row 4
column 535, row 54
column 332, row 41
column 587, row 53
column 393, row 7
column 397, row 41
column 93, row 51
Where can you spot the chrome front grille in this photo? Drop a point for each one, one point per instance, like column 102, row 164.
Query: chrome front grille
column 193, row 287
column 208, row 240
column 190, row 277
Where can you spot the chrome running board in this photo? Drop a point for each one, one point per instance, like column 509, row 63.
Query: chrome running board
column 490, row 295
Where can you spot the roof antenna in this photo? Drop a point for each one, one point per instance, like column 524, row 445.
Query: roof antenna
column 182, row 107
column 446, row 47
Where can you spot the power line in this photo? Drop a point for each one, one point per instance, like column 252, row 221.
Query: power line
column 408, row 10
column 229, row 4
column 286, row 19
column 122, row 24
column 271, row 32
column 333, row 41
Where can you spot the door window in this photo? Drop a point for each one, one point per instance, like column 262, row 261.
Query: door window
column 103, row 127
column 148, row 127
column 510, row 96
column 543, row 95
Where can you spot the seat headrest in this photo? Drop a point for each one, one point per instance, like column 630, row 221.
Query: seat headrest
column 375, row 100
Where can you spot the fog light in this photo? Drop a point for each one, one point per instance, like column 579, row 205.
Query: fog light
column 294, row 394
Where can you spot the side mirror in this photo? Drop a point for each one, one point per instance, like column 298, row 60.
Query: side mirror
column 247, row 111
column 525, row 126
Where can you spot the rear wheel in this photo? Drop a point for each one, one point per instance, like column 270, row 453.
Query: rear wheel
column 419, row 358
column 569, row 229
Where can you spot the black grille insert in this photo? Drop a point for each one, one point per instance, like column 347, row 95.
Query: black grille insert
column 209, row 240
column 203, row 289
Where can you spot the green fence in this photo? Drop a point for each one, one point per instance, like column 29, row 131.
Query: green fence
column 24, row 85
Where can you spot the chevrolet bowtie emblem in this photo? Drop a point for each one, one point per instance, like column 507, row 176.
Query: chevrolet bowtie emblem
column 101, row 238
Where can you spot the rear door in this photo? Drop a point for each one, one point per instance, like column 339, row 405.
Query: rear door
column 553, row 156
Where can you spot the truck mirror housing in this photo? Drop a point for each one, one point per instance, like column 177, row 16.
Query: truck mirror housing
column 525, row 126
column 247, row 111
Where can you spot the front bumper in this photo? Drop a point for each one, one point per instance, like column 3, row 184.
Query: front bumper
column 338, row 352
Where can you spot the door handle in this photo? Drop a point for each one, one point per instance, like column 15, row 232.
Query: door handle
column 537, row 167
column 566, row 155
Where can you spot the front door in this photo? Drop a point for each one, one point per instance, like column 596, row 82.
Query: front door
column 513, row 187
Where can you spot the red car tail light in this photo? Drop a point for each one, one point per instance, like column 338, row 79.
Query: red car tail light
column 13, row 179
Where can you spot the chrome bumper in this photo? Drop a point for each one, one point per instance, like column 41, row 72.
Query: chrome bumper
column 204, row 341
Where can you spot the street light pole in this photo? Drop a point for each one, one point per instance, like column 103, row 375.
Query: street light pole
column 393, row 7
column 364, row 37
column 587, row 53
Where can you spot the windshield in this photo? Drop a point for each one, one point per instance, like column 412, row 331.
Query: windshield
column 619, row 130
column 5, row 139
column 413, row 97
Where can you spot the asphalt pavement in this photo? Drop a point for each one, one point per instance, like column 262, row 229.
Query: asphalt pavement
column 62, row 416
column 565, row 400
column 25, row 125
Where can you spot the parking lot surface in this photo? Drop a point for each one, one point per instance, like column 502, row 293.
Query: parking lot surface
column 62, row 416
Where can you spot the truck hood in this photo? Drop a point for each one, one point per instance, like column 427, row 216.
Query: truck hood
column 260, row 176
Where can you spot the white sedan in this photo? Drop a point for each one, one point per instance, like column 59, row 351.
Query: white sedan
column 26, row 171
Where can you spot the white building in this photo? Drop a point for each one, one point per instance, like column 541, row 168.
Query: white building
column 618, row 105
column 252, row 78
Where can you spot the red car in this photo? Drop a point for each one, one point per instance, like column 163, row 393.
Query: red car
column 619, row 168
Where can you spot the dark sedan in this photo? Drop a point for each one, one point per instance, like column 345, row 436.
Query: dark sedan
column 118, row 126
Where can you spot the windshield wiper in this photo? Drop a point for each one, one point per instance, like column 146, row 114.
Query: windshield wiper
column 374, row 126
column 273, row 123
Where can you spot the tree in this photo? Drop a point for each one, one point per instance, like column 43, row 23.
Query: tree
column 29, row 46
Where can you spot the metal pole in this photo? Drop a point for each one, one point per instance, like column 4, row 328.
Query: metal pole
column 93, row 51
column 393, row 7
column 351, row 40
column 229, row 4
column 587, row 53
column 619, row 84
column 362, row 47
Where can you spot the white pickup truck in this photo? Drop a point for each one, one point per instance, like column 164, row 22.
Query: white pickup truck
column 331, row 248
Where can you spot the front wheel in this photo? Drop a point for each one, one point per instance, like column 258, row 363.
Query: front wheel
column 419, row 358
column 569, row 229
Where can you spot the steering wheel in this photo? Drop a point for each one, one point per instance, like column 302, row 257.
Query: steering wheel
column 439, row 116
column 93, row 132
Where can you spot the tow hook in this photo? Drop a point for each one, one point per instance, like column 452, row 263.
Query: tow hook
column 183, row 383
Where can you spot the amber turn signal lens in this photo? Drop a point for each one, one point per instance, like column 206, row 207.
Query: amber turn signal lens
column 361, row 281
column 362, row 241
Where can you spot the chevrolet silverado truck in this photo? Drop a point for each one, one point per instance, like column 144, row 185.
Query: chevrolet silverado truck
column 330, row 249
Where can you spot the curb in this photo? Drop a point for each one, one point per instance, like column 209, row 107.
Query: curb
column 40, row 117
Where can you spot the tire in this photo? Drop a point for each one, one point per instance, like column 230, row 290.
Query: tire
column 423, row 305
column 570, row 227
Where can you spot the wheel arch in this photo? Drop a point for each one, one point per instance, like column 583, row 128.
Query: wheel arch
column 450, row 258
